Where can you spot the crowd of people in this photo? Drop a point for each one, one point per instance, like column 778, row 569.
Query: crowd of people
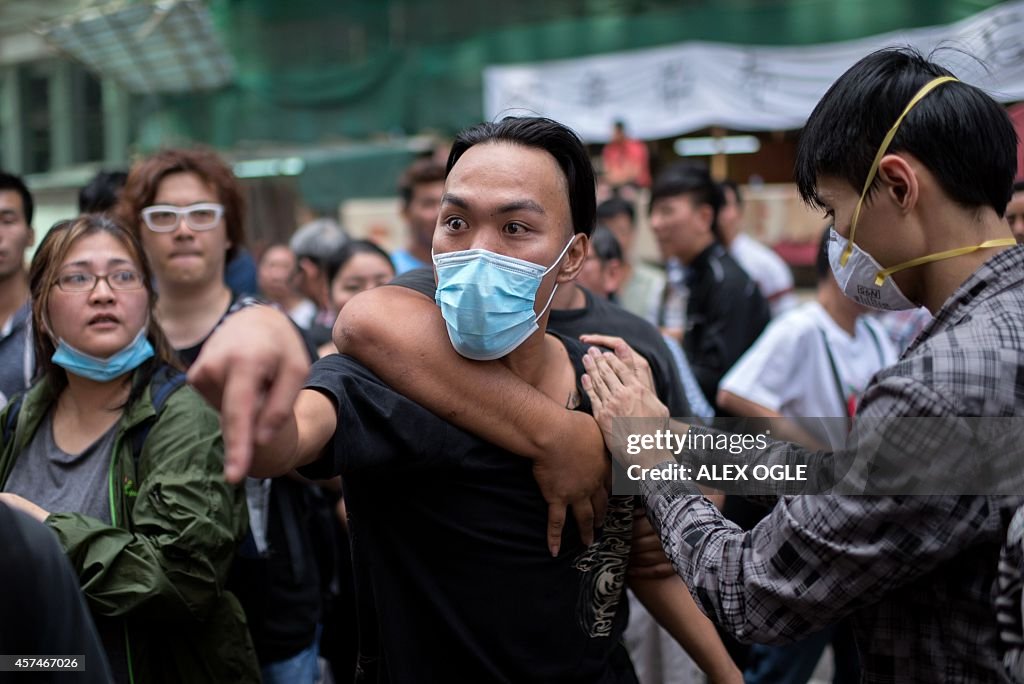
column 318, row 461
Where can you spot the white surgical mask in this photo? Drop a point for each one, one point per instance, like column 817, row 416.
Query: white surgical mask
column 857, row 279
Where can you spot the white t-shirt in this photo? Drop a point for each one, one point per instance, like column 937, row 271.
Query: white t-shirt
column 303, row 313
column 788, row 369
column 768, row 270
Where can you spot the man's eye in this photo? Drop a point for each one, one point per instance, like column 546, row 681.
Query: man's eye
column 455, row 223
column 515, row 228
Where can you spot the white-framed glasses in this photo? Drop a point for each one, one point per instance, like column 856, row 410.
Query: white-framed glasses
column 164, row 218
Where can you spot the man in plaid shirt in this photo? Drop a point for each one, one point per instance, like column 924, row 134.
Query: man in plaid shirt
column 915, row 574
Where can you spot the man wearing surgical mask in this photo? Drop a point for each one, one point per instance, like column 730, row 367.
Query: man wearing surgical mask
column 916, row 168
column 453, row 573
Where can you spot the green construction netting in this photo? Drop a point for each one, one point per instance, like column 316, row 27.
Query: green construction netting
column 310, row 71
column 314, row 68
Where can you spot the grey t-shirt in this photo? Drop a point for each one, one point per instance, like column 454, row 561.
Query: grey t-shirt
column 60, row 482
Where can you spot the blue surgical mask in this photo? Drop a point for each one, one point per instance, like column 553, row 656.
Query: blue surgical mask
column 488, row 300
column 128, row 359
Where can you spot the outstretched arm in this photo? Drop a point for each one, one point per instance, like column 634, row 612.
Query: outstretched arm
column 670, row 604
column 251, row 370
column 408, row 347
column 665, row 596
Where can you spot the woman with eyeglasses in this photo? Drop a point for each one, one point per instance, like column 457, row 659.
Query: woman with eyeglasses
column 125, row 464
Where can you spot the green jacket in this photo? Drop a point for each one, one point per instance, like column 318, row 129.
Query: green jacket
column 163, row 563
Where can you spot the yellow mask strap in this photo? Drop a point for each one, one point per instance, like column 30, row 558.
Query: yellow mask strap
column 939, row 256
column 925, row 89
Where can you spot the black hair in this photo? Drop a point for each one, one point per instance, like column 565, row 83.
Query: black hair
column 615, row 206
column 345, row 254
column 557, row 140
column 693, row 181
column 420, row 172
column 822, row 267
column 100, row 194
column 9, row 181
column 959, row 133
column 1018, row 186
column 732, row 185
column 605, row 245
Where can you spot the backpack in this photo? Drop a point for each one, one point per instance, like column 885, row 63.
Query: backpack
column 161, row 386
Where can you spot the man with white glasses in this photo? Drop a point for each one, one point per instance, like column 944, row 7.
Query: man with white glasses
column 189, row 221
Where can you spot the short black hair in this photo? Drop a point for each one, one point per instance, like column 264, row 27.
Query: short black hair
column 615, row 206
column 1018, row 186
column 8, row 181
column 734, row 186
column 822, row 267
column 554, row 138
column 963, row 136
column 100, row 194
column 694, row 181
column 605, row 245
column 420, row 172
column 353, row 247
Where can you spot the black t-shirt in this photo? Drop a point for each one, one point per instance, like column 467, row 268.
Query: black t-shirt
column 602, row 317
column 725, row 314
column 606, row 318
column 188, row 355
column 42, row 611
column 448, row 535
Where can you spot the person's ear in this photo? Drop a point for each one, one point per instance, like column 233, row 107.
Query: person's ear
column 899, row 181
column 705, row 214
column 306, row 269
column 572, row 264
column 31, row 236
column 613, row 273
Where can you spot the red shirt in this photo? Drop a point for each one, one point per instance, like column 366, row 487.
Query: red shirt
column 626, row 162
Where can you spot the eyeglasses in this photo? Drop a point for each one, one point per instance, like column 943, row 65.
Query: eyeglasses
column 164, row 218
column 79, row 281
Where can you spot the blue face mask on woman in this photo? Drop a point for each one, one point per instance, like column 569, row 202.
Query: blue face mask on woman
column 488, row 299
column 128, row 359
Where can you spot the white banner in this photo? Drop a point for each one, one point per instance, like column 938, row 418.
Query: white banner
column 671, row 90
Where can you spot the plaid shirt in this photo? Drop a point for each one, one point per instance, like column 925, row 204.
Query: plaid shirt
column 1008, row 599
column 915, row 574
